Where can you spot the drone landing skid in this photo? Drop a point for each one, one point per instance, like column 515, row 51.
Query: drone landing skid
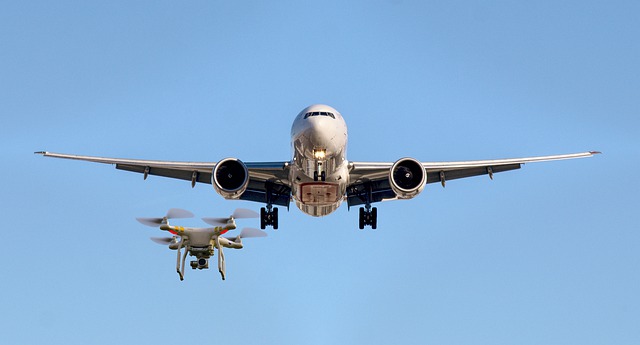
column 179, row 267
column 222, row 267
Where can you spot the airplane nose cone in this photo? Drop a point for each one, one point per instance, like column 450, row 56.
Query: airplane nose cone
column 319, row 128
column 325, row 133
column 319, row 133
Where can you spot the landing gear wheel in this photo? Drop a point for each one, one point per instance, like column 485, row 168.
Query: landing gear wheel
column 315, row 176
column 323, row 176
column 368, row 217
column 274, row 219
column 263, row 218
column 374, row 218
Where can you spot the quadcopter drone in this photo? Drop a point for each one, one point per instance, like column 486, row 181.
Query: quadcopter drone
column 202, row 242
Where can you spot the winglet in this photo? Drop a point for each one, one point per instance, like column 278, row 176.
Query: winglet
column 595, row 152
column 44, row 153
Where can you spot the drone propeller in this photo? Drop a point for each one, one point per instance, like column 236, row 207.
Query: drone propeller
column 252, row 232
column 171, row 214
column 237, row 214
column 248, row 233
column 162, row 240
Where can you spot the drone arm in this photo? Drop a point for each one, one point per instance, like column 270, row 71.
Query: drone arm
column 234, row 242
column 177, row 230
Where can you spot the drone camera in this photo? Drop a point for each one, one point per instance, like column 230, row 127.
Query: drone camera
column 203, row 263
column 200, row 264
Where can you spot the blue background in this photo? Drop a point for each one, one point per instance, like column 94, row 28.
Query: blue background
column 544, row 255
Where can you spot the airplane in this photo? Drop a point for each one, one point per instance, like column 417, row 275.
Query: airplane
column 318, row 177
column 202, row 242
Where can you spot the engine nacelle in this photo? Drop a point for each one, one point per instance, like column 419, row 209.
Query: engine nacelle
column 230, row 178
column 407, row 178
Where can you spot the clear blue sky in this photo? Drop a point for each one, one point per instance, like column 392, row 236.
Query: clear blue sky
column 544, row 255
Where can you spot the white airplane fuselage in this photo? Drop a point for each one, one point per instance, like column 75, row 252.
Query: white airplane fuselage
column 319, row 171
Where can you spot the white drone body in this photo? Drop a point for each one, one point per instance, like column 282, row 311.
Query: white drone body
column 202, row 242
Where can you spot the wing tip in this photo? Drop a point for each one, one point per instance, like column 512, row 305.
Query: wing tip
column 44, row 153
column 595, row 152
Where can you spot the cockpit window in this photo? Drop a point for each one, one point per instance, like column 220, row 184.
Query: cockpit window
column 319, row 113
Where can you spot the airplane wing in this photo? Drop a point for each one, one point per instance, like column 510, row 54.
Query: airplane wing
column 263, row 176
column 375, row 175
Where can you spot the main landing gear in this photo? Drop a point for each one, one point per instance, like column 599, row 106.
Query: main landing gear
column 269, row 214
column 269, row 217
column 368, row 216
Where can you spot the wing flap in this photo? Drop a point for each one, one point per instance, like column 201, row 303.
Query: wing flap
column 380, row 191
column 268, row 191
column 201, row 177
column 452, row 174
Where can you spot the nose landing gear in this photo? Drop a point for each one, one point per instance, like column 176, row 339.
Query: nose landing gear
column 322, row 176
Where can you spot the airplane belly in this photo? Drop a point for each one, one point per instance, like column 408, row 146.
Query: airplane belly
column 318, row 198
column 318, row 193
column 317, row 211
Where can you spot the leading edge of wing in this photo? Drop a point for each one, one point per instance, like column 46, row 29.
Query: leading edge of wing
column 430, row 166
column 135, row 162
column 262, row 171
column 363, row 167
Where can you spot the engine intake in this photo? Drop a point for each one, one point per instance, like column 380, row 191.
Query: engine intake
column 407, row 178
column 230, row 178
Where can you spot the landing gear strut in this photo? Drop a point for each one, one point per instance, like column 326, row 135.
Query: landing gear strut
column 269, row 217
column 269, row 214
column 368, row 215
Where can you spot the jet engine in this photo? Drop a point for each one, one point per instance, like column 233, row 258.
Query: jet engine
column 230, row 178
column 407, row 178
